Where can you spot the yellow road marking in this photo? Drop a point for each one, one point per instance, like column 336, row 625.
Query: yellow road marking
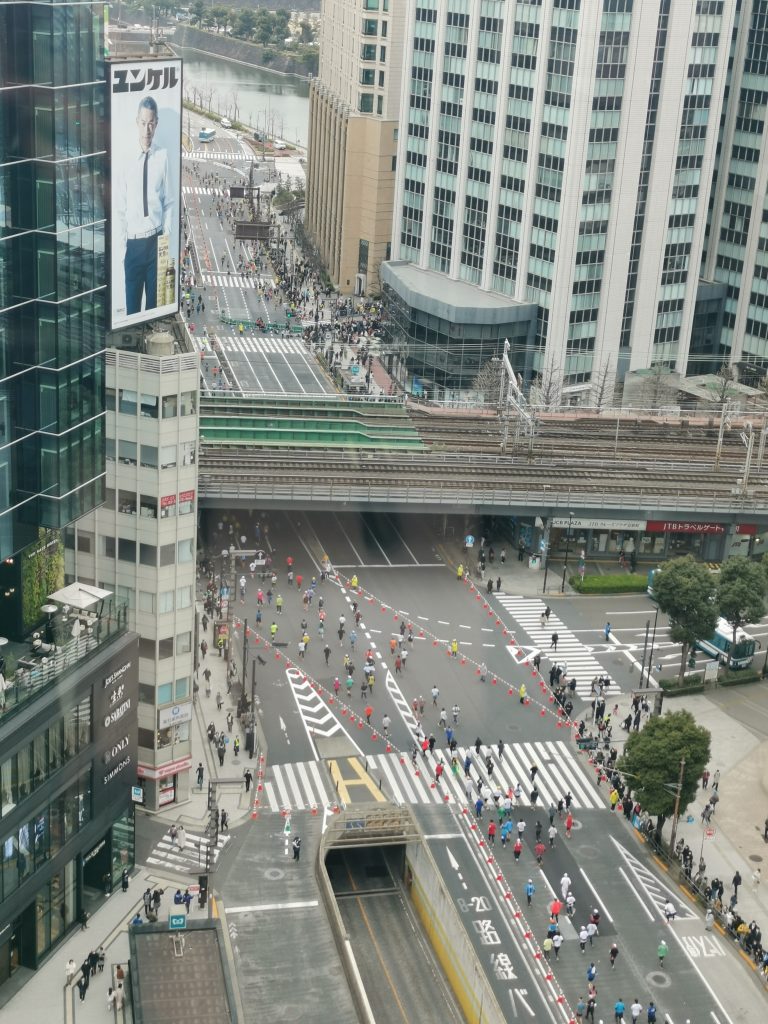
column 344, row 785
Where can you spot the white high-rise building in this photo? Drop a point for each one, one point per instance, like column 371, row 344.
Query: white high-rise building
column 555, row 168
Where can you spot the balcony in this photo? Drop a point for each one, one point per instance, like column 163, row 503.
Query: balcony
column 69, row 638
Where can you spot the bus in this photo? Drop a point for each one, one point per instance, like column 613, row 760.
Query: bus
column 206, row 134
column 720, row 646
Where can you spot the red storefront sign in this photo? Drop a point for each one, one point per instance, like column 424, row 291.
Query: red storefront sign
column 186, row 495
column 168, row 500
column 661, row 526
column 146, row 771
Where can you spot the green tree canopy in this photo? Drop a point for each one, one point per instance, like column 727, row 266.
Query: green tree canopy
column 651, row 762
column 197, row 10
column 685, row 591
column 741, row 592
column 245, row 23
column 264, row 26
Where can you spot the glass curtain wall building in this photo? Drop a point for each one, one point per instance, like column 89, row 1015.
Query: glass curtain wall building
column 68, row 725
column 52, row 274
column 560, row 154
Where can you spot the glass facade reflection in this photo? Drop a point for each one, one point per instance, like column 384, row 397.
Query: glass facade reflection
column 52, row 266
column 436, row 344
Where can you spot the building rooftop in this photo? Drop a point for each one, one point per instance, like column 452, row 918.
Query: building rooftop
column 446, row 297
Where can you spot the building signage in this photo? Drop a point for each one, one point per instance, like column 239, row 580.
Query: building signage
column 95, row 851
column 118, row 747
column 115, row 710
column 750, row 529
column 599, row 524
column 186, row 495
column 115, row 676
column 167, row 501
column 662, row 526
column 166, row 717
column 145, row 771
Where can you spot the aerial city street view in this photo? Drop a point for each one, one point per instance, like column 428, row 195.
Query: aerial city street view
column 383, row 511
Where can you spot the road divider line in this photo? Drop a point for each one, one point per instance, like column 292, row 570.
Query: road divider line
column 636, row 894
column 600, row 903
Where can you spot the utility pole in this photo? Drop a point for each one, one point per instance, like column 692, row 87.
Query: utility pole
column 677, row 807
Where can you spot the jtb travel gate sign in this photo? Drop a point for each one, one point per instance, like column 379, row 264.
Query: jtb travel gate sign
column 115, row 727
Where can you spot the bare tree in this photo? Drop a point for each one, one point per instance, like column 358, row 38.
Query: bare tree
column 720, row 388
column 603, row 381
column 547, row 388
column 488, row 381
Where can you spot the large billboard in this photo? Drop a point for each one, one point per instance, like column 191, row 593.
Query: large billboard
column 145, row 140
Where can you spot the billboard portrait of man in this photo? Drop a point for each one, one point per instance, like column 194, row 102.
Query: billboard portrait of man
column 145, row 195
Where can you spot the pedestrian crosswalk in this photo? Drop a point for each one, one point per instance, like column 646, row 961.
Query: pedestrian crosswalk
column 303, row 786
column 219, row 280
column 263, row 346
column 191, row 858
column 226, row 157
column 582, row 665
column 200, row 190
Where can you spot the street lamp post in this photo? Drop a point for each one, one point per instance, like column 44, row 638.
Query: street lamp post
column 567, row 550
column 678, row 791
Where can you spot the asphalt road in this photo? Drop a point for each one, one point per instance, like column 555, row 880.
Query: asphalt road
column 403, row 578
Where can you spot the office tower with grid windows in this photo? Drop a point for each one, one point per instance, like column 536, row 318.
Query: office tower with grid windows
column 736, row 252
column 556, row 163
column 353, row 122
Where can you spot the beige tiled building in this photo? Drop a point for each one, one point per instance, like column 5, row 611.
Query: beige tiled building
column 354, row 115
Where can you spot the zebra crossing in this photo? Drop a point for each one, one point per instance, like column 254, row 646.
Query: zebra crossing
column 263, row 346
column 199, row 154
column 302, row 786
column 200, row 190
column 570, row 651
column 221, row 280
column 192, row 858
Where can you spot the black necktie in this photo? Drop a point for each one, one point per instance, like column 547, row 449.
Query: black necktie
column 146, row 205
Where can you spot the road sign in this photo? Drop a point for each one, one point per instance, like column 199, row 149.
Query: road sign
column 193, row 890
column 177, row 922
column 709, row 833
column 137, row 794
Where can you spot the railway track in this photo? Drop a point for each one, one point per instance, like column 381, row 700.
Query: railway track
column 252, row 467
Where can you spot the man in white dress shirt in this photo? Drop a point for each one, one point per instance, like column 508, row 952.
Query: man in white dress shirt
column 145, row 206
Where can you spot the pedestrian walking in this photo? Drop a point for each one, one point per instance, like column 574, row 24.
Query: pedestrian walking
column 492, row 833
column 618, row 1011
column 296, row 847
column 557, row 941
column 248, row 776
column 613, row 954
column 583, row 936
column 590, row 1014
column 435, row 695
column 200, row 773
column 651, row 1012
column 70, row 970
column 553, row 641
column 662, row 952
column 669, row 911
column 455, row 710
column 607, row 630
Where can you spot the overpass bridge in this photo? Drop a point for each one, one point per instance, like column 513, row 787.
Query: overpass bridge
column 340, row 453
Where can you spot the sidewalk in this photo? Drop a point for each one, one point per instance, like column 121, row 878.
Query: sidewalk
column 233, row 799
column 45, row 995
column 738, row 843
